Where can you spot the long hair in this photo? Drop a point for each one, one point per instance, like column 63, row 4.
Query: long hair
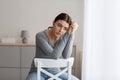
column 63, row 16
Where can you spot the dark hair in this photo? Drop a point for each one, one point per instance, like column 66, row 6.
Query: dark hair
column 65, row 17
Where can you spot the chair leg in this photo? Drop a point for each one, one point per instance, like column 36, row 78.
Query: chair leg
column 38, row 72
column 69, row 71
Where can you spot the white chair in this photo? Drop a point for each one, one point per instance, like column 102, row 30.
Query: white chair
column 41, row 63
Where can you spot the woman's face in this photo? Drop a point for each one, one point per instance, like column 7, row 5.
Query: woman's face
column 60, row 28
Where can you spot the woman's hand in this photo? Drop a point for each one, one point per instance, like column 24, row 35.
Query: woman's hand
column 73, row 27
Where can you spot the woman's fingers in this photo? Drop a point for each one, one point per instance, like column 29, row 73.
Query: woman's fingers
column 74, row 26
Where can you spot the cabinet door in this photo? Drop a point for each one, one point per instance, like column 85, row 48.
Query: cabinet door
column 27, row 55
column 24, row 73
column 9, row 74
column 9, row 56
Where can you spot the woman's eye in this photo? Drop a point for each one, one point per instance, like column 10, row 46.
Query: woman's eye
column 65, row 28
column 59, row 25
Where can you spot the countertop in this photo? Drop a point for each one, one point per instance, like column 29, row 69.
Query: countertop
column 17, row 44
column 20, row 44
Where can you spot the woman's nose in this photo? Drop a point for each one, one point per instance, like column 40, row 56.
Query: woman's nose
column 61, row 29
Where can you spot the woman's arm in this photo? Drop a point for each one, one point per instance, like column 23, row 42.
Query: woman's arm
column 56, row 51
column 68, row 48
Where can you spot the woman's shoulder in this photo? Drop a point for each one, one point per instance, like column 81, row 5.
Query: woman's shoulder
column 41, row 34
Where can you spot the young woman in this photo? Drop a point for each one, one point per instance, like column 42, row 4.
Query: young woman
column 53, row 43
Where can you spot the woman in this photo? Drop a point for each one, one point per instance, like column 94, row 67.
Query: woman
column 53, row 43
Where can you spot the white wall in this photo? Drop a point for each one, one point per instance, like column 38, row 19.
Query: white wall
column 101, row 54
column 36, row 15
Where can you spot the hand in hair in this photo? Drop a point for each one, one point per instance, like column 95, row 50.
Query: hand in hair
column 73, row 27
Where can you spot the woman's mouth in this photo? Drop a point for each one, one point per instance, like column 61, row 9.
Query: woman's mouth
column 59, row 34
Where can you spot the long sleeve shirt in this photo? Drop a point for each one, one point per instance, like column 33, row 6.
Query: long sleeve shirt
column 45, row 49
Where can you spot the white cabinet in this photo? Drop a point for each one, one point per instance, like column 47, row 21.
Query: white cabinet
column 15, row 61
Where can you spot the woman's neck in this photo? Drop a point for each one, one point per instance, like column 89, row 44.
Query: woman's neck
column 52, row 36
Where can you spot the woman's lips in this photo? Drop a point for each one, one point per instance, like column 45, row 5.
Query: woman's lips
column 58, row 33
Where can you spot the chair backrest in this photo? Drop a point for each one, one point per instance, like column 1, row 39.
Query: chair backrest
column 53, row 63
